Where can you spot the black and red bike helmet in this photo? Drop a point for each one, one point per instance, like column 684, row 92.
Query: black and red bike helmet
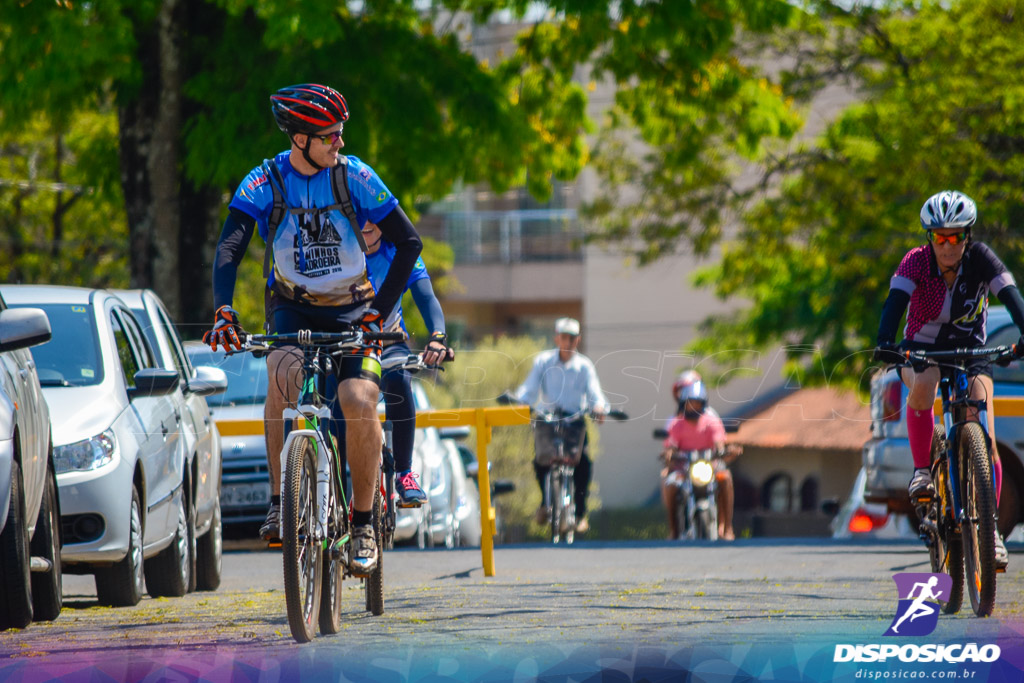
column 308, row 108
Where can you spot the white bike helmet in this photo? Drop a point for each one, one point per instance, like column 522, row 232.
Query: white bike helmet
column 948, row 209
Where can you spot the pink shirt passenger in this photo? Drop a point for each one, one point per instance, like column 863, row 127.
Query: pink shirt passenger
column 685, row 435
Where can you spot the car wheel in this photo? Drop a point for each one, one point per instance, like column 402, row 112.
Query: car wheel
column 121, row 585
column 209, row 553
column 47, row 590
column 170, row 572
column 16, row 593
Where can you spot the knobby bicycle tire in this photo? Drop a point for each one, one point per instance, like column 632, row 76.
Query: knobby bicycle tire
column 555, row 498
column 569, row 515
column 946, row 551
column 334, row 569
column 303, row 564
column 979, row 527
column 375, row 581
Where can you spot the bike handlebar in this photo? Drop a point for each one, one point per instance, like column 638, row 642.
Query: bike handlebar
column 349, row 339
column 412, row 364
column 1003, row 354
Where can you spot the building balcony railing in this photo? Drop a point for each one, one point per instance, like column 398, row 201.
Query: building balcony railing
column 517, row 236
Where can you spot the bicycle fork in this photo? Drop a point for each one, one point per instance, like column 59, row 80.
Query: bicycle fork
column 323, row 461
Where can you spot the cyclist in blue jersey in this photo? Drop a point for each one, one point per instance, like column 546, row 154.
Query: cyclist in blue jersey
column 318, row 281
column 946, row 284
column 395, row 383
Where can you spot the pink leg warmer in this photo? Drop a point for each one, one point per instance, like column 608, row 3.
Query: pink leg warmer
column 920, row 425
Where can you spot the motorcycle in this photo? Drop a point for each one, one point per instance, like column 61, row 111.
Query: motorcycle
column 693, row 474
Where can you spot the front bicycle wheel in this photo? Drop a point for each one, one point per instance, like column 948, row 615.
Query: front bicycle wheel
column 303, row 563
column 946, row 550
column 334, row 562
column 978, row 528
column 375, row 581
column 555, row 498
column 569, row 508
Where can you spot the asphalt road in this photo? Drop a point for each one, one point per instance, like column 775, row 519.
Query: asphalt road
column 544, row 603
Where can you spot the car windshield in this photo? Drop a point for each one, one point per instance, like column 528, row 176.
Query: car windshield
column 72, row 356
column 247, row 377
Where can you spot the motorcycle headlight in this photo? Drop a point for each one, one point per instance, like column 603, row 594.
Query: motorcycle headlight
column 701, row 472
column 86, row 455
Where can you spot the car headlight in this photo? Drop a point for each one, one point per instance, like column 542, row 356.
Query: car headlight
column 701, row 472
column 86, row 455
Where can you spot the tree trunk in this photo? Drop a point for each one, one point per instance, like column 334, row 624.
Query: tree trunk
column 164, row 159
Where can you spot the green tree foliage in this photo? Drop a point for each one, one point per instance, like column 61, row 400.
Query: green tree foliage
column 688, row 109
column 814, row 259
column 61, row 211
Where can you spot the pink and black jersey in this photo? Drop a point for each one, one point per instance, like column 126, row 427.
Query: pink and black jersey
column 949, row 316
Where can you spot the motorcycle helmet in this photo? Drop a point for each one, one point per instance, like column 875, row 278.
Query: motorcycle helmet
column 693, row 393
column 685, row 378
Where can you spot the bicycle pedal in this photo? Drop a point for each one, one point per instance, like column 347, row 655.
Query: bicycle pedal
column 408, row 506
column 1000, row 570
column 275, row 544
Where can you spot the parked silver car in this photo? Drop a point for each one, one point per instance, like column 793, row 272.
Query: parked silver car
column 30, row 569
column 886, row 456
column 201, row 439
column 119, row 447
column 245, row 483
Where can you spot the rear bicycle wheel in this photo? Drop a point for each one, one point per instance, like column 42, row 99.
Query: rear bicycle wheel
column 946, row 551
column 303, row 556
column 978, row 529
column 569, row 507
column 375, row 582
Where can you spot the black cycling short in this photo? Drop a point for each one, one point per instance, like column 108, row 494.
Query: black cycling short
column 285, row 316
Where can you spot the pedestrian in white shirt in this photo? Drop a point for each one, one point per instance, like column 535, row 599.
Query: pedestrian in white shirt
column 564, row 380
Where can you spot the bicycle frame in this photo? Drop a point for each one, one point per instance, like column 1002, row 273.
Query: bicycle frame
column 311, row 409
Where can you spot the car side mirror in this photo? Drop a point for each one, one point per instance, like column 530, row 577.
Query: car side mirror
column 208, row 381
column 21, row 328
column 154, row 382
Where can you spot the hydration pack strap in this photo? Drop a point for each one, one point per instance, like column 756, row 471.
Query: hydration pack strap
column 277, row 211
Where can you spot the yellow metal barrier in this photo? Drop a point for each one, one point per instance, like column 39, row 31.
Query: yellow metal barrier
column 1004, row 407
column 481, row 418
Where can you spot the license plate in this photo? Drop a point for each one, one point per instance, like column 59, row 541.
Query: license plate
column 245, row 494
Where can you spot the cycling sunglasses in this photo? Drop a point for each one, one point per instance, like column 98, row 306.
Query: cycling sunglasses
column 331, row 137
column 954, row 239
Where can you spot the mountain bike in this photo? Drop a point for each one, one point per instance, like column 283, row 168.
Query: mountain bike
column 315, row 512
column 958, row 523
column 559, row 443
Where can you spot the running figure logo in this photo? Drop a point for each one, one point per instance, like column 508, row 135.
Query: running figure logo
column 918, row 611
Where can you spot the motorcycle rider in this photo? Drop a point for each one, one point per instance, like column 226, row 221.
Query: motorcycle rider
column 697, row 426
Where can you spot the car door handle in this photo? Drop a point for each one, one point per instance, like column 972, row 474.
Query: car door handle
column 24, row 374
column 163, row 429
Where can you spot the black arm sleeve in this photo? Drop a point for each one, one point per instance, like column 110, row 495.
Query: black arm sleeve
column 397, row 229
column 892, row 311
column 430, row 308
column 1011, row 298
column 234, row 239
